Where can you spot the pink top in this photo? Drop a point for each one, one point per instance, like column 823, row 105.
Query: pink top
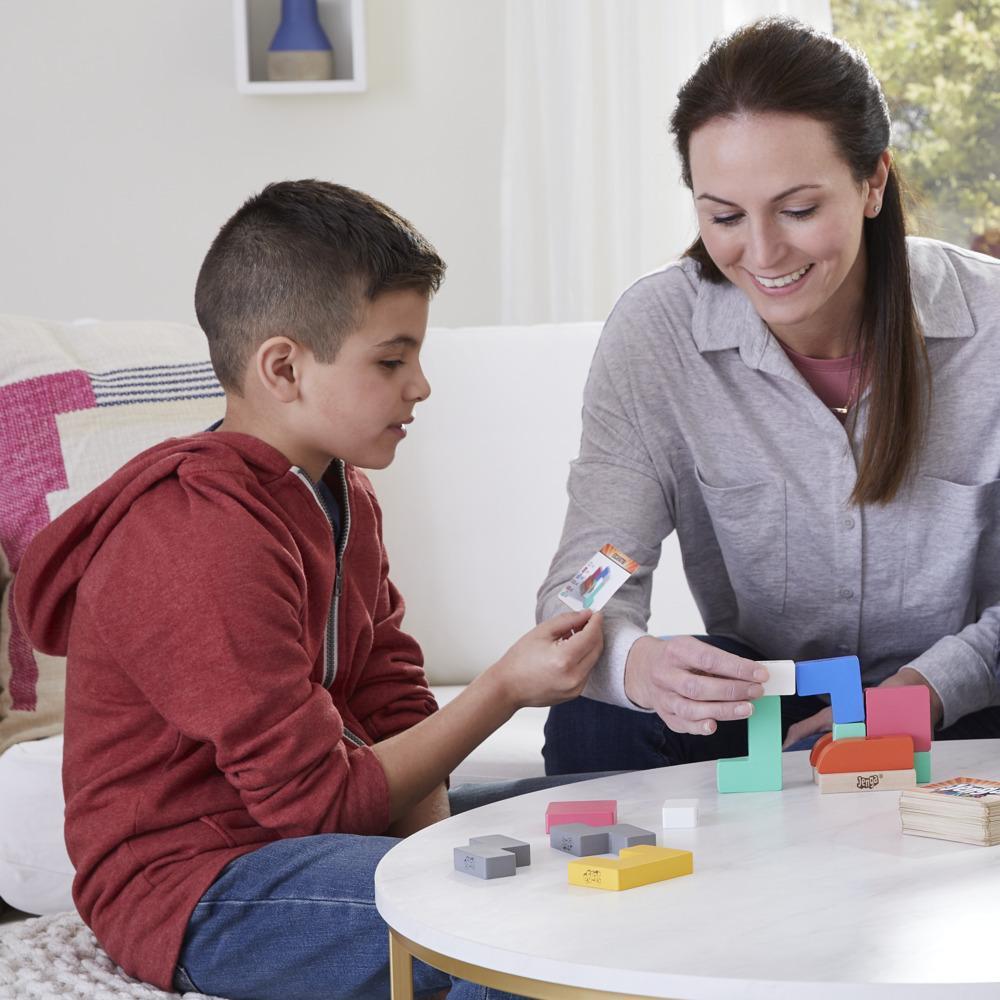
column 832, row 379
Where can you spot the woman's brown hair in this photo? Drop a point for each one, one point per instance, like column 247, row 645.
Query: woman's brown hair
column 780, row 65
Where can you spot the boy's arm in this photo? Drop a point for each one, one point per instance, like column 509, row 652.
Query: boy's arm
column 427, row 811
column 548, row 665
column 207, row 623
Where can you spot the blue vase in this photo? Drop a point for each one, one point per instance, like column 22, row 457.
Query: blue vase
column 300, row 49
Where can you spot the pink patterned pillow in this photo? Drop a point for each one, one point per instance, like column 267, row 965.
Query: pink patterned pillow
column 76, row 402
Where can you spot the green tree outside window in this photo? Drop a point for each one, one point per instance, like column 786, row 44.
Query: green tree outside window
column 939, row 64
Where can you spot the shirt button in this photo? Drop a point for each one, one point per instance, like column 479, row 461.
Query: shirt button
column 848, row 523
column 846, row 593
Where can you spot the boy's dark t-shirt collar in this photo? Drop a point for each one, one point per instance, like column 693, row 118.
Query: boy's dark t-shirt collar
column 332, row 503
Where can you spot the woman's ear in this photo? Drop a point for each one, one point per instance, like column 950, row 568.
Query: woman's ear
column 276, row 366
column 876, row 185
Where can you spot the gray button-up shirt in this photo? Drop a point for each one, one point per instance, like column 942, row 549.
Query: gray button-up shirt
column 694, row 419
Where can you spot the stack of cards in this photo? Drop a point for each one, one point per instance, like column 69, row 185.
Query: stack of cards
column 966, row 810
column 596, row 583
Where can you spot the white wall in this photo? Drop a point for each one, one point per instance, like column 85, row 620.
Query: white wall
column 124, row 144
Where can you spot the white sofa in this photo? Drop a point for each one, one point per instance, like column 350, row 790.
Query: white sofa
column 473, row 511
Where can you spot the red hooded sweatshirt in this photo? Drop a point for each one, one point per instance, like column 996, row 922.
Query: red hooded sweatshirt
column 224, row 682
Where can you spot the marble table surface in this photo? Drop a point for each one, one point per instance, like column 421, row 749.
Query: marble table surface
column 794, row 894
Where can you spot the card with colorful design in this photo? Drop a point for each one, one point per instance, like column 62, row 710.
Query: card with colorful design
column 966, row 788
column 598, row 580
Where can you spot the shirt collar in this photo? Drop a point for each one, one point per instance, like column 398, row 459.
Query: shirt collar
column 725, row 319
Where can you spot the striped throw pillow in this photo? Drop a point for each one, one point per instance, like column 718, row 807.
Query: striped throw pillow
column 77, row 401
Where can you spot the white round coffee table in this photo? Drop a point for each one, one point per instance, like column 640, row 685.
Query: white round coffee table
column 794, row 894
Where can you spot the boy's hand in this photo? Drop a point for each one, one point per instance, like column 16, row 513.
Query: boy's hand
column 552, row 662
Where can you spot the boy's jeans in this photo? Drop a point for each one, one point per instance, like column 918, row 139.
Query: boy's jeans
column 296, row 919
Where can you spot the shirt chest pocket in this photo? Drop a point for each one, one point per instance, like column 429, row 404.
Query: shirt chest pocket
column 749, row 522
column 952, row 547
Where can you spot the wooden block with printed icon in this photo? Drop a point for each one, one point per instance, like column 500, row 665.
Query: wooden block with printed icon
column 633, row 867
column 866, row 781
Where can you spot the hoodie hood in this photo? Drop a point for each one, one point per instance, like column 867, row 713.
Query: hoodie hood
column 45, row 586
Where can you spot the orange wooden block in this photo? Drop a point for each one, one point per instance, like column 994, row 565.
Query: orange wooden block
column 818, row 746
column 878, row 753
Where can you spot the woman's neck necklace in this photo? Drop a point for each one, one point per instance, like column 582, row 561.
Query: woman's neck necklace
column 823, row 357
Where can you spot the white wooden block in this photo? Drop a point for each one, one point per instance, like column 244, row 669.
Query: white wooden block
column 680, row 812
column 782, row 679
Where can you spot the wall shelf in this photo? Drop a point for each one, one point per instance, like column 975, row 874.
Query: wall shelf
column 255, row 22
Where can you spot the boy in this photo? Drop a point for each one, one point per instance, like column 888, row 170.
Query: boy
column 236, row 739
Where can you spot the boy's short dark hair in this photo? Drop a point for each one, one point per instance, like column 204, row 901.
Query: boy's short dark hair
column 303, row 258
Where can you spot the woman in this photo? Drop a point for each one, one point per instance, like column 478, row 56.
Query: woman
column 809, row 399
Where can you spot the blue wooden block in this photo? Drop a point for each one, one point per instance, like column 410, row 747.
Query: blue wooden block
column 840, row 678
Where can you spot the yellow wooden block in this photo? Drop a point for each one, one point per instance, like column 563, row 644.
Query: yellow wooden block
column 633, row 867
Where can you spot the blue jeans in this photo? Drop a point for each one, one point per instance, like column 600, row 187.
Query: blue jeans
column 296, row 919
column 584, row 735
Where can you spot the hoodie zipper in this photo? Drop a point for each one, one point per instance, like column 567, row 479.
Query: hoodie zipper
column 330, row 641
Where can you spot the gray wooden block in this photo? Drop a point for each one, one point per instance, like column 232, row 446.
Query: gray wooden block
column 580, row 839
column 625, row 835
column 484, row 862
column 520, row 850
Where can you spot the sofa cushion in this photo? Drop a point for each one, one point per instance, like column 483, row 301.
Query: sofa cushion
column 77, row 400
column 36, row 875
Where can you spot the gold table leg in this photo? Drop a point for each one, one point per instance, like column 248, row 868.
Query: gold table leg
column 400, row 969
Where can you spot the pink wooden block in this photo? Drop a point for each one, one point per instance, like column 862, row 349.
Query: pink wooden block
column 900, row 711
column 594, row 812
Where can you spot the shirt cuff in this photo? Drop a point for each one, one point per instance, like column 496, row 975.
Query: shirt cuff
column 607, row 682
column 964, row 683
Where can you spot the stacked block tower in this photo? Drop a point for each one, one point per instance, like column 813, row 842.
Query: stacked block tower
column 881, row 737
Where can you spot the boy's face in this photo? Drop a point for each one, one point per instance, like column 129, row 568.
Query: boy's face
column 356, row 408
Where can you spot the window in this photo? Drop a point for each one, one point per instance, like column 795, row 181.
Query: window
column 939, row 64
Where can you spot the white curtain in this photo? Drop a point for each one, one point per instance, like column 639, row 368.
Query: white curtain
column 590, row 191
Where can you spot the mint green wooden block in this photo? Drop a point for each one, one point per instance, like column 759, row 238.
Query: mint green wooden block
column 922, row 765
column 849, row 730
column 760, row 771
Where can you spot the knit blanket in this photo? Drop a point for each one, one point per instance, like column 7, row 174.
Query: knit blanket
column 56, row 957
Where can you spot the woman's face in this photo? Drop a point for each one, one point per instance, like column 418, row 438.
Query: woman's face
column 782, row 217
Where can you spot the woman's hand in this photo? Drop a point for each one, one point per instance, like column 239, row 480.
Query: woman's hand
column 691, row 684
column 822, row 721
